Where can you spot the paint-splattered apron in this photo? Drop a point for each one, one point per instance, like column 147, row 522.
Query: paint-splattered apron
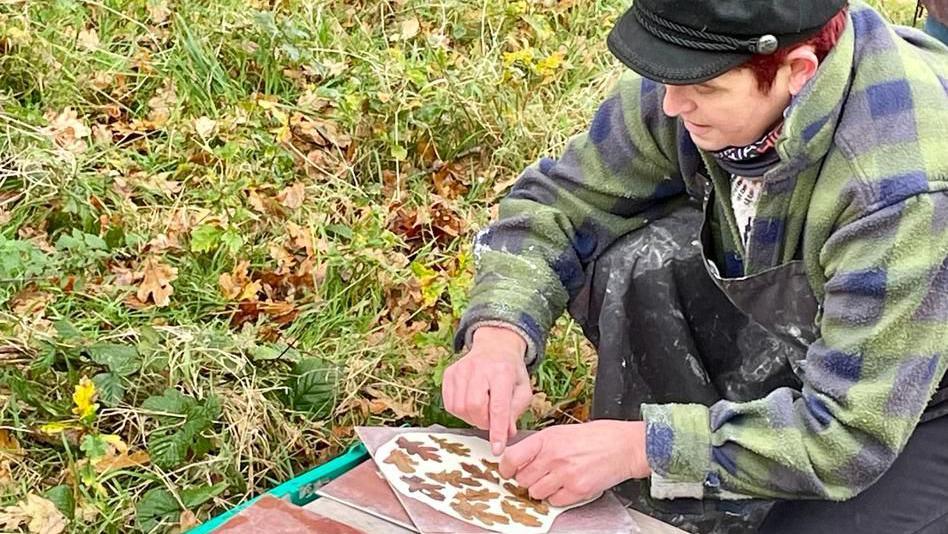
column 669, row 329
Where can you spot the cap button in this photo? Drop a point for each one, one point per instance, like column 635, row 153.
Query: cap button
column 766, row 44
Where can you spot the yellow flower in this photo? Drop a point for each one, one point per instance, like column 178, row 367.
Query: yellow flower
column 548, row 66
column 524, row 56
column 84, row 398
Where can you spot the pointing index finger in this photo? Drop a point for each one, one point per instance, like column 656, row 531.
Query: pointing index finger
column 501, row 395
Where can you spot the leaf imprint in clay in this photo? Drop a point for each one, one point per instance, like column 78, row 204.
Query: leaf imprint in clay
column 418, row 484
column 402, row 461
column 419, row 449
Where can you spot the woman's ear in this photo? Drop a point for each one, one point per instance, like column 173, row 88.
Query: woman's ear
column 803, row 64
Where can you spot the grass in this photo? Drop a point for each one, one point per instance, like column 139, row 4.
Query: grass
column 307, row 177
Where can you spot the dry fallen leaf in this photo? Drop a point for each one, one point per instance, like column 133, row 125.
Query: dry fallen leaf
column 40, row 515
column 187, row 521
column 158, row 11
column 205, row 127
column 156, row 282
column 292, row 196
column 9, row 445
column 409, row 28
column 67, row 130
column 160, row 106
column 237, row 285
column 122, row 460
column 88, row 39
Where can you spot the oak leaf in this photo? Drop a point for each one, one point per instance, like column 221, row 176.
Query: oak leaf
column 476, row 472
column 418, row 484
column 292, row 196
column 419, row 449
column 39, row 514
column 156, row 282
column 401, row 460
column 518, row 515
column 453, row 448
column 471, row 510
column 454, row 478
column 522, row 496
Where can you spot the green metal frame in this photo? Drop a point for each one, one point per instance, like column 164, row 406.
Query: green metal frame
column 300, row 490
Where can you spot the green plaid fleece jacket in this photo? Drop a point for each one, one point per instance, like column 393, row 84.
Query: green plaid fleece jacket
column 861, row 189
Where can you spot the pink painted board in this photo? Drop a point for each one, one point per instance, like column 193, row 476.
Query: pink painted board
column 605, row 515
column 364, row 488
column 270, row 514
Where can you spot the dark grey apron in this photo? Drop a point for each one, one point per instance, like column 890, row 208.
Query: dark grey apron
column 668, row 328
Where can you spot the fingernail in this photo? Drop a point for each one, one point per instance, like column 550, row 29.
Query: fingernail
column 497, row 448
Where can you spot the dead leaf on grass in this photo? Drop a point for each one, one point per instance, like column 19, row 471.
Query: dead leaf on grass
column 237, row 285
column 205, row 127
column 40, row 516
column 67, row 130
column 156, row 278
column 292, row 196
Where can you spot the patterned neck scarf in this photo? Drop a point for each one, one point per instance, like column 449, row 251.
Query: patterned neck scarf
column 753, row 160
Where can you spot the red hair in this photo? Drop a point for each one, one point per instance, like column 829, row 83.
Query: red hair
column 765, row 67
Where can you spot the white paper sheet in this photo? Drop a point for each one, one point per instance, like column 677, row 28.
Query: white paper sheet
column 456, row 475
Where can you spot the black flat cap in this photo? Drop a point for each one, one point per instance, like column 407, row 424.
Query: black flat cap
column 681, row 42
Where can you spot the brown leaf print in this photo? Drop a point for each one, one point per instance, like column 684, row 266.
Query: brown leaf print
column 478, row 510
column 454, row 478
column 519, row 516
column 402, row 461
column 418, row 484
column 492, row 466
column 453, row 448
column 522, row 496
column 472, row 495
column 418, row 449
column 476, row 472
